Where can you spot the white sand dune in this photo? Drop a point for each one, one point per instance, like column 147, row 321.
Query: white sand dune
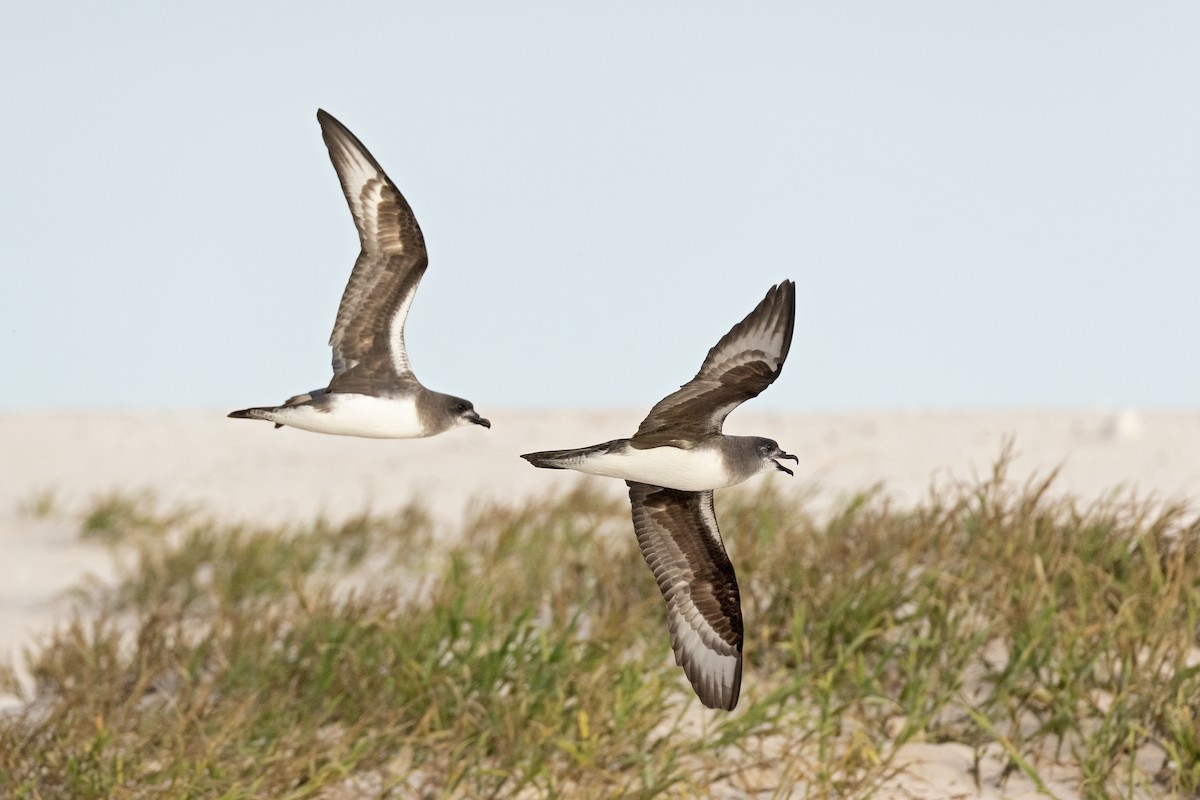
column 248, row 470
column 233, row 469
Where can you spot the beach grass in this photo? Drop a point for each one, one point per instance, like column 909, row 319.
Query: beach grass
column 528, row 656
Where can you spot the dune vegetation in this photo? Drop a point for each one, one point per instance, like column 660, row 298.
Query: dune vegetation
column 528, row 655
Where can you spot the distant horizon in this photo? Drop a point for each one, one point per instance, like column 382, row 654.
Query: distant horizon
column 748, row 409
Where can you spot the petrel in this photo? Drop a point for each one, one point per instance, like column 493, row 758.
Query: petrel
column 672, row 464
column 374, row 392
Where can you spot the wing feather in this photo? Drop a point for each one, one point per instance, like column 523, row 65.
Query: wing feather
column 678, row 535
column 368, row 335
column 746, row 361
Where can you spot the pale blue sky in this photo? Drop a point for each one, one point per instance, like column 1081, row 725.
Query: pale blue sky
column 981, row 204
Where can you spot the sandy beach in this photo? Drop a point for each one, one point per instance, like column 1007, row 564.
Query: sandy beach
column 237, row 470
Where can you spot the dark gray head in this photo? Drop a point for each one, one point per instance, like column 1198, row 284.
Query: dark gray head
column 768, row 451
column 466, row 414
column 443, row 411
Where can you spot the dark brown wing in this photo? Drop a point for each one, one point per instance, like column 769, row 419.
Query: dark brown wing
column 747, row 360
column 368, row 336
column 678, row 535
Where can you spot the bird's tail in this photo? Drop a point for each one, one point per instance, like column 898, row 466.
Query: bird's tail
column 261, row 412
column 563, row 459
column 268, row 413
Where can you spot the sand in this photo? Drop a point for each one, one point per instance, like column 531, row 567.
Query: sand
column 243, row 470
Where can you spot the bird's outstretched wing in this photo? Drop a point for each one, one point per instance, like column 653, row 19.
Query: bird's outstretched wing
column 678, row 534
column 368, row 336
column 747, row 360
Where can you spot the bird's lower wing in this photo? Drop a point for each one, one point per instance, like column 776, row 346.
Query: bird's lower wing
column 678, row 534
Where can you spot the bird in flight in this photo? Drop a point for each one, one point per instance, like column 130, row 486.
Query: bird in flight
column 374, row 392
column 672, row 465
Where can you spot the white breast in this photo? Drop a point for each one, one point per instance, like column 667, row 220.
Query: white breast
column 358, row 415
column 686, row 470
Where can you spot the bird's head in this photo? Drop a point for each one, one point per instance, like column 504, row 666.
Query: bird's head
column 770, row 452
column 464, row 413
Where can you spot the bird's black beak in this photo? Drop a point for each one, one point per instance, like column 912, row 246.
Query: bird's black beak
column 478, row 420
column 782, row 468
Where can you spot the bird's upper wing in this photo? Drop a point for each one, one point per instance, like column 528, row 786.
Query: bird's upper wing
column 678, row 534
column 747, row 360
column 368, row 336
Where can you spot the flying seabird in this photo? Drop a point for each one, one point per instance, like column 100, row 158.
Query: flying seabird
column 374, row 392
column 672, row 465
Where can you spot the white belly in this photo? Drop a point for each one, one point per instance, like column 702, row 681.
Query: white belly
column 357, row 415
column 685, row 470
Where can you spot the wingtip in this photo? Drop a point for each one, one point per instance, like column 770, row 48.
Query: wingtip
column 785, row 292
column 785, row 287
column 327, row 120
column 736, row 691
column 711, row 690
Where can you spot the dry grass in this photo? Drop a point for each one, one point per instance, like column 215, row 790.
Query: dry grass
column 531, row 660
